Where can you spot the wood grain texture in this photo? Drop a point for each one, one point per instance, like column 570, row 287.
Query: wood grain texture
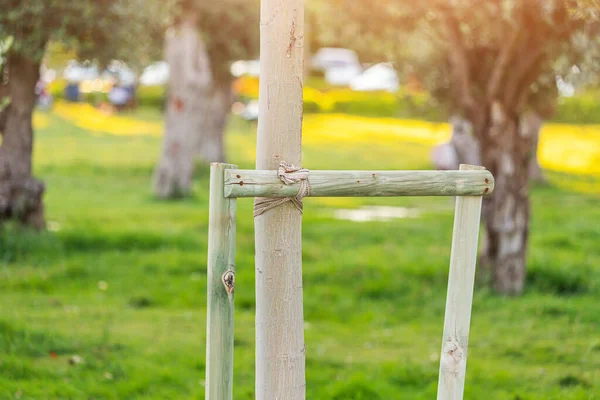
column 280, row 359
column 455, row 341
column 221, row 286
column 265, row 183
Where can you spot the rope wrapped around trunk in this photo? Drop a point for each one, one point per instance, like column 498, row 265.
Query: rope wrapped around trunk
column 289, row 174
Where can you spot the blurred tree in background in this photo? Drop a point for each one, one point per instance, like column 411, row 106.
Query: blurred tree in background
column 98, row 30
column 205, row 38
column 491, row 62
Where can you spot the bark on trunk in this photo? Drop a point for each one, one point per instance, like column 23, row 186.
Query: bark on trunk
column 189, row 79
column 210, row 144
column 463, row 147
column 506, row 152
column 464, row 142
column 504, row 244
column 20, row 193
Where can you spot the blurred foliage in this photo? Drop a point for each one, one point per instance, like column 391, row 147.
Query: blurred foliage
column 58, row 55
column 5, row 45
column 128, row 30
column 146, row 96
column 465, row 50
column 95, row 29
column 583, row 108
column 230, row 29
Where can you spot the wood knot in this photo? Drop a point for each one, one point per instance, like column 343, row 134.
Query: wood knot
column 229, row 281
column 453, row 350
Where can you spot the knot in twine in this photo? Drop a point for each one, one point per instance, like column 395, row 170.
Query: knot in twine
column 289, row 174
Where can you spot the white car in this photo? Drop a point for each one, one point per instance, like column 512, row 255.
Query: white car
column 250, row 112
column 342, row 76
column 76, row 72
column 332, row 57
column 156, row 74
column 250, row 68
column 339, row 65
column 118, row 72
column 380, row 76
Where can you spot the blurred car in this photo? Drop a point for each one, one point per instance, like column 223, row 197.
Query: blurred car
column 87, row 77
column 248, row 111
column 245, row 67
column 339, row 65
column 342, row 76
column 332, row 57
column 117, row 72
column 156, row 74
column 380, row 76
column 78, row 72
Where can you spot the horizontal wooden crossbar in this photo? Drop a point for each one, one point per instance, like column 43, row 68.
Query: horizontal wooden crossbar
column 266, row 183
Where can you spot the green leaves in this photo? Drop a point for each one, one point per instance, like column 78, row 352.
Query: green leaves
column 455, row 48
column 231, row 32
column 95, row 29
column 5, row 44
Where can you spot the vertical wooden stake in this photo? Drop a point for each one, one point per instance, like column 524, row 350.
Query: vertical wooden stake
column 453, row 361
column 280, row 360
column 221, row 285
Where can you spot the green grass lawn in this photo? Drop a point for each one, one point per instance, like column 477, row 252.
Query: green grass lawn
column 110, row 302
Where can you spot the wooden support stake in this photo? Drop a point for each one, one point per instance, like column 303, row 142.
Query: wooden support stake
column 455, row 342
column 251, row 183
column 221, row 285
column 280, row 360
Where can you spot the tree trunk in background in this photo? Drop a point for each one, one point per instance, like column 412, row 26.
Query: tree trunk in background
column 210, row 146
column 189, row 79
column 20, row 193
column 506, row 153
column 466, row 150
column 531, row 125
column 464, row 142
column 498, row 259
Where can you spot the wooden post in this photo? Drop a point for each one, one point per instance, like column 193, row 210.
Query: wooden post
column 251, row 183
column 280, row 361
column 455, row 342
column 221, row 285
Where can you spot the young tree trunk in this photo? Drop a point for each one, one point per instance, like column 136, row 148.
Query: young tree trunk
column 20, row 193
column 280, row 348
column 189, row 79
column 210, row 146
column 506, row 152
